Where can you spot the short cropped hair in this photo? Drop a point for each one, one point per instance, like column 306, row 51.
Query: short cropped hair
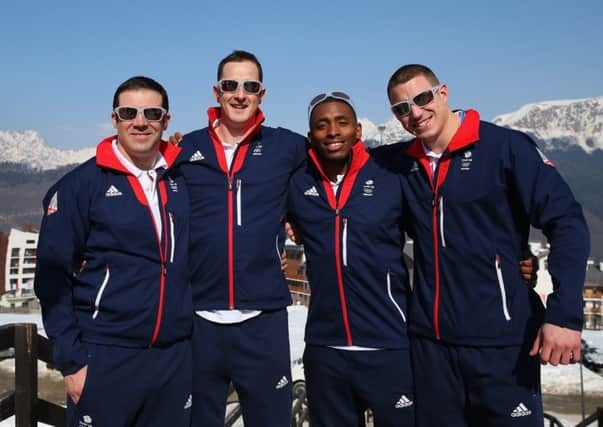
column 142, row 82
column 240, row 56
column 409, row 72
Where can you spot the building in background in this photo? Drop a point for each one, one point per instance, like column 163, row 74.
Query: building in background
column 593, row 286
column 18, row 267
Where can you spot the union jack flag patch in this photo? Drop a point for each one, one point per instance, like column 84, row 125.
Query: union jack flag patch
column 544, row 158
column 53, row 206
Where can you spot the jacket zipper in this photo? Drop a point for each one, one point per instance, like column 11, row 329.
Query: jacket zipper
column 391, row 297
column 231, row 185
column 162, row 255
column 436, row 302
column 501, row 285
column 230, row 245
column 99, row 294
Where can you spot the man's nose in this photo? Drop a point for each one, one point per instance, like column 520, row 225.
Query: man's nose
column 140, row 119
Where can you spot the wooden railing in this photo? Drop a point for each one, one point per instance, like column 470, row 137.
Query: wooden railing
column 24, row 402
column 28, row 408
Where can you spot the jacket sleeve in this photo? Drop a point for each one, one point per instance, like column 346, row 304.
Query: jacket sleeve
column 60, row 250
column 551, row 207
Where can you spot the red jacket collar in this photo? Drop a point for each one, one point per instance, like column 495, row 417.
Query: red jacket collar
column 359, row 158
column 467, row 134
column 215, row 113
column 106, row 157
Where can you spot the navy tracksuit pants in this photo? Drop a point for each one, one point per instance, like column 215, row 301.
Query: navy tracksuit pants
column 253, row 355
column 135, row 387
column 341, row 385
column 459, row 386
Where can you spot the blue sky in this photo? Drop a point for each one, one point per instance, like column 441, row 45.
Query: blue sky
column 62, row 60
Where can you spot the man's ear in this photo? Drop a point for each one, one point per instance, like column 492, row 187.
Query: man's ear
column 261, row 95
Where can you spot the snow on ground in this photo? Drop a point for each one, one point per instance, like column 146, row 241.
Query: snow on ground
column 594, row 339
column 563, row 380
column 555, row 379
column 566, row 380
column 297, row 324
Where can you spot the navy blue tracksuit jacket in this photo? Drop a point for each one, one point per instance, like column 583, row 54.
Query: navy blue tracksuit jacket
column 103, row 275
column 237, row 215
column 470, row 221
column 353, row 241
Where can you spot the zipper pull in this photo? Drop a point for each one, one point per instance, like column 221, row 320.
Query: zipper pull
column 230, row 183
column 164, row 270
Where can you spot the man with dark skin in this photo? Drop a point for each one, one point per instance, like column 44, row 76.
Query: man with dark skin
column 349, row 212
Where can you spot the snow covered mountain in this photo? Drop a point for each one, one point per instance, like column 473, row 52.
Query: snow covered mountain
column 555, row 125
column 29, row 148
column 560, row 125
column 385, row 133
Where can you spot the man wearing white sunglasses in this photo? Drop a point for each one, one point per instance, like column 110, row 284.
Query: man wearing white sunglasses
column 473, row 190
column 237, row 171
column 112, row 273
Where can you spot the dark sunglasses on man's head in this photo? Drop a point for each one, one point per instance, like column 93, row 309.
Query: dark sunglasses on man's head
column 403, row 108
column 252, row 87
column 152, row 114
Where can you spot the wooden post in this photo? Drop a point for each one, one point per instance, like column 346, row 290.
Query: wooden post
column 26, row 374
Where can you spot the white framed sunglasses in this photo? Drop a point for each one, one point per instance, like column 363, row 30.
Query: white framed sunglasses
column 128, row 113
column 252, row 87
column 422, row 99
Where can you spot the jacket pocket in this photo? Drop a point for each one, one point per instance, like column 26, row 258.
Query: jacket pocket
column 238, row 195
column 501, row 285
column 344, row 242
column 441, row 208
column 391, row 297
column 99, row 294
column 172, row 238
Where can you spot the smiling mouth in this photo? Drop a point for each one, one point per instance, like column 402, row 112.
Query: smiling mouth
column 421, row 124
column 334, row 146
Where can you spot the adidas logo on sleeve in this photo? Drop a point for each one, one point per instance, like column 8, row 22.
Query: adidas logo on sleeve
column 112, row 192
column 282, row 382
column 197, row 156
column 311, row 192
column 521, row 411
column 403, row 402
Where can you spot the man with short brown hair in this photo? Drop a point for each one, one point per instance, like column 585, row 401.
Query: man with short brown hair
column 473, row 190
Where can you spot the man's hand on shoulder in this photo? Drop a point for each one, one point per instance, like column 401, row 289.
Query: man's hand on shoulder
column 74, row 384
column 529, row 270
column 175, row 138
column 557, row 345
column 292, row 233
